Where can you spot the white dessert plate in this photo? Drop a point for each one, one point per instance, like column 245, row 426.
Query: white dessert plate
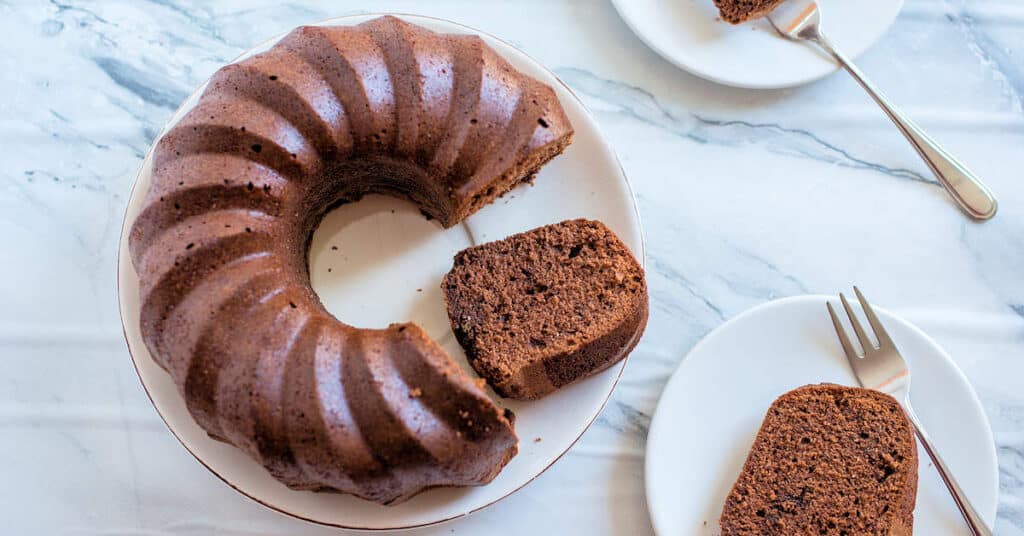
column 689, row 34
column 713, row 405
column 379, row 261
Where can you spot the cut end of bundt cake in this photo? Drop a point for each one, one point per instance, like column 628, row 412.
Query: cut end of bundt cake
column 542, row 309
column 827, row 460
column 740, row 11
column 541, row 120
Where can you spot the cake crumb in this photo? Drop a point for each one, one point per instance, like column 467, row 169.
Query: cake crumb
column 780, row 469
column 536, row 439
column 518, row 301
column 415, row 392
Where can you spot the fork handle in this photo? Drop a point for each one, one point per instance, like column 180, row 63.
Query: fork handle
column 971, row 515
column 963, row 186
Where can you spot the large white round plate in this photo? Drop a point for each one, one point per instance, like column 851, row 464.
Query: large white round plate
column 689, row 34
column 379, row 261
column 713, row 405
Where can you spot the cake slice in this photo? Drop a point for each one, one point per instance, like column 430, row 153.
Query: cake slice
column 740, row 11
column 827, row 460
column 542, row 309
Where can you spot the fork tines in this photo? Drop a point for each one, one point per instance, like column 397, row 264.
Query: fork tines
column 884, row 341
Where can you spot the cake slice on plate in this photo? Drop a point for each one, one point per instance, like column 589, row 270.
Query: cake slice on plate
column 827, row 460
column 542, row 309
column 740, row 11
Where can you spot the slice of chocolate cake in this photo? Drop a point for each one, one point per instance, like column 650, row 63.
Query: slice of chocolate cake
column 740, row 11
column 827, row 460
column 542, row 309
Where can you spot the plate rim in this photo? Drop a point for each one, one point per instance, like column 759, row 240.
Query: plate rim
column 341, row 20
column 668, row 56
column 811, row 298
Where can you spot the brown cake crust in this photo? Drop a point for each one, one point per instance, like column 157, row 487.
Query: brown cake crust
column 326, row 116
column 830, row 460
column 542, row 309
column 740, row 11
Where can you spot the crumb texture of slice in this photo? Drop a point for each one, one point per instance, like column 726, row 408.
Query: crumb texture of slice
column 827, row 460
column 542, row 309
column 740, row 11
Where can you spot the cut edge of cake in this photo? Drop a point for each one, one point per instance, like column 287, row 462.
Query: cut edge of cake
column 765, row 498
column 741, row 11
column 542, row 309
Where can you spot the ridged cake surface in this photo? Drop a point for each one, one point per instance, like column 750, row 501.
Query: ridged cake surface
column 326, row 116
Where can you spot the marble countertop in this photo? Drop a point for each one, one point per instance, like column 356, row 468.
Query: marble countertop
column 745, row 197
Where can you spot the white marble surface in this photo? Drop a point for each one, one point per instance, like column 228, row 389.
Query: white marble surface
column 746, row 196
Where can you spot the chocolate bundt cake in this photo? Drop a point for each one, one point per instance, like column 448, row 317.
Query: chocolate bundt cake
column 325, row 116
column 827, row 460
column 740, row 11
column 542, row 309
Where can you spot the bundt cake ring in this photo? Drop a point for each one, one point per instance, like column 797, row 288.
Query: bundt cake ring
column 218, row 231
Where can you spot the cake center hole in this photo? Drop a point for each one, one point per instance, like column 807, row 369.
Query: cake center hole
column 380, row 261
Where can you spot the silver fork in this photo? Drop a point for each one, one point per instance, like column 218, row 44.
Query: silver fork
column 800, row 20
column 883, row 369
